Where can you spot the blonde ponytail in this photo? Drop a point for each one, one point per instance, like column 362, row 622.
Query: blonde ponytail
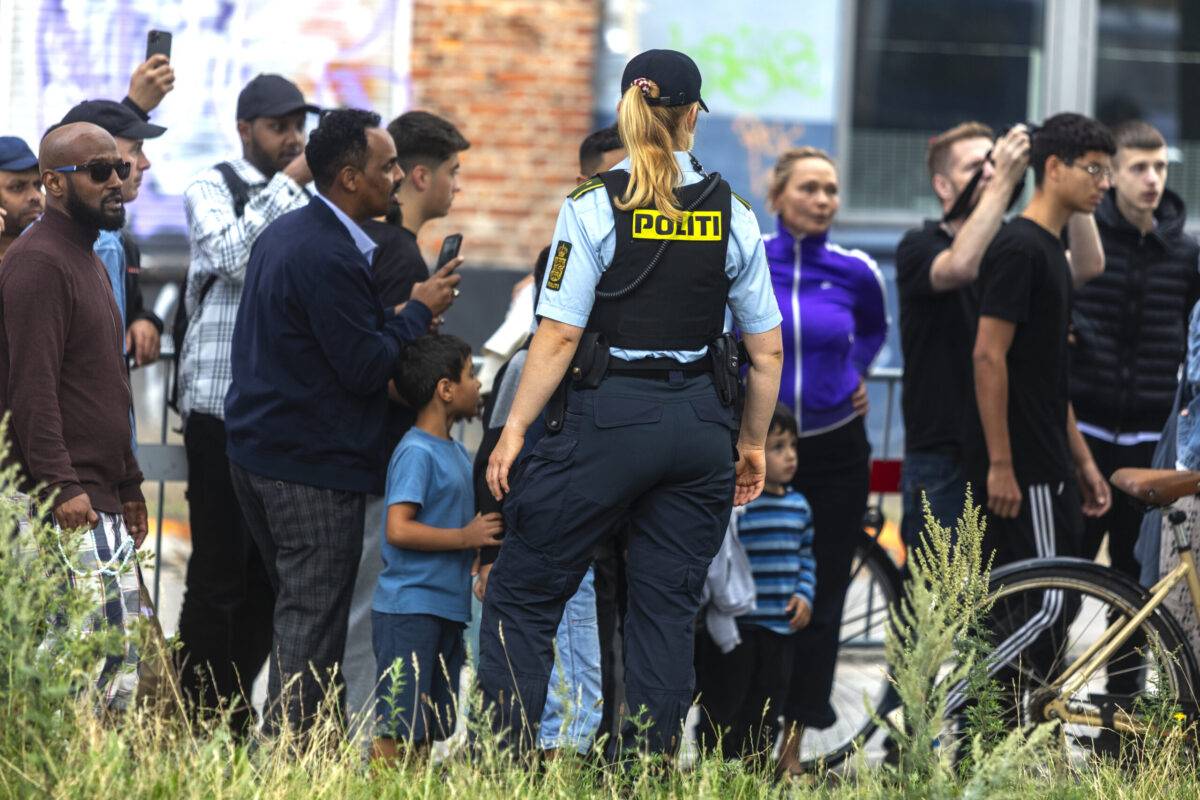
column 651, row 134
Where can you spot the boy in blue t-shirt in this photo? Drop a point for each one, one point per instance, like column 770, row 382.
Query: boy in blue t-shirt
column 431, row 537
column 742, row 691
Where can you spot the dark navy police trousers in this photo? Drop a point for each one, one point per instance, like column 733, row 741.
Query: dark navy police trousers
column 653, row 454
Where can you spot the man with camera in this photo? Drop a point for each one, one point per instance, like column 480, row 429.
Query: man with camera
column 976, row 179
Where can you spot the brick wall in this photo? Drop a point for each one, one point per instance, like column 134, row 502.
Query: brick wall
column 516, row 78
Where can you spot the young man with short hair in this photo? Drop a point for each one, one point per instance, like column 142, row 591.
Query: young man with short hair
column 1130, row 334
column 427, row 147
column 933, row 264
column 1024, row 448
column 1027, row 459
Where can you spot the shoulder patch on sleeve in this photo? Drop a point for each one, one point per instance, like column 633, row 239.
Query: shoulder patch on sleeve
column 741, row 200
column 558, row 266
column 585, row 187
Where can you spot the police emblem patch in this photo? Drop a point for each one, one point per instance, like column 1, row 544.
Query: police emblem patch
column 558, row 265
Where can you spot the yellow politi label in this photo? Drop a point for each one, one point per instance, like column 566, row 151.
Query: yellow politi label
column 693, row 226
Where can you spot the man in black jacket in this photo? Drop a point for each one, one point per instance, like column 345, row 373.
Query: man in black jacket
column 1130, row 331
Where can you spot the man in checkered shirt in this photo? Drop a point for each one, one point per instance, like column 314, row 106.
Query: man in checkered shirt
column 225, row 624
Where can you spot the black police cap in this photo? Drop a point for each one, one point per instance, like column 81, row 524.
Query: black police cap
column 271, row 96
column 116, row 118
column 675, row 74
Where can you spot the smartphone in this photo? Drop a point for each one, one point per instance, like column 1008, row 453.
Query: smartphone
column 158, row 42
column 449, row 252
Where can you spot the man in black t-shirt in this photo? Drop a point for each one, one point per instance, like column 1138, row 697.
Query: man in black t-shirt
column 933, row 262
column 1023, row 447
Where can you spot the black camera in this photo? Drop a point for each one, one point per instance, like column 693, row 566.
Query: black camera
column 965, row 203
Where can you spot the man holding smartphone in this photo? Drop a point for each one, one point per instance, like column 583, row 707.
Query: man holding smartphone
column 427, row 149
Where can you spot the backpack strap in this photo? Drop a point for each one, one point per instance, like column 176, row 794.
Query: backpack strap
column 236, row 185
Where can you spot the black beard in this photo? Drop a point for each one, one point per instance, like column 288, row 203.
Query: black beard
column 95, row 217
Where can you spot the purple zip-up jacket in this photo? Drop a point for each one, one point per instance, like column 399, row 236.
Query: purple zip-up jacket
column 834, row 324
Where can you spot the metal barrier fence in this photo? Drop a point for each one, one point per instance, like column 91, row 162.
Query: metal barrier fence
column 164, row 462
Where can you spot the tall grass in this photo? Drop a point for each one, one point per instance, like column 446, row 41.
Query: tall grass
column 53, row 743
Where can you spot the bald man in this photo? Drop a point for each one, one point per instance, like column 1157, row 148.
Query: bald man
column 63, row 379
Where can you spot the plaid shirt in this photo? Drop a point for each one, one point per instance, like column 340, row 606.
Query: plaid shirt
column 220, row 246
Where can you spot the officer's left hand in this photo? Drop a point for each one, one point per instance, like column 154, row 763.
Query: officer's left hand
column 503, row 456
column 751, row 472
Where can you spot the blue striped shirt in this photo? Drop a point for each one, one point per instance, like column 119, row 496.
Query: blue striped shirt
column 777, row 534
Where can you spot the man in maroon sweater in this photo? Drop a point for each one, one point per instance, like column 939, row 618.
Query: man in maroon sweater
column 63, row 379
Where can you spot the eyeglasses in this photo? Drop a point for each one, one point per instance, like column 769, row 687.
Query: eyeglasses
column 100, row 171
column 1095, row 171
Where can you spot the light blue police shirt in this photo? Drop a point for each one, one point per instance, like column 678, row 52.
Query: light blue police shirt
column 588, row 224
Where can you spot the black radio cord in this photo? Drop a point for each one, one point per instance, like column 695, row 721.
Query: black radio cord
column 713, row 180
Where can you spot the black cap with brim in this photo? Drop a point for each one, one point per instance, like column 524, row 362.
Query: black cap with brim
column 675, row 74
column 272, row 96
column 116, row 118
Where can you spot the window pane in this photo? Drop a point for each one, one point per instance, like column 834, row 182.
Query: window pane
column 1147, row 68
column 922, row 66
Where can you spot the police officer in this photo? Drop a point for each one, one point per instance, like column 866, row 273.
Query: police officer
column 645, row 260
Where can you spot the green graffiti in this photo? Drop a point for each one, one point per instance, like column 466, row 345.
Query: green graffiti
column 753, row 66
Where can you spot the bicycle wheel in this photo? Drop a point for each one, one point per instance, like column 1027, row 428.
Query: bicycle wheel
column 861, row 675
column 1046, row 614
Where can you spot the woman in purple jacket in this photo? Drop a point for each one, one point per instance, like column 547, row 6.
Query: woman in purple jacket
column 834, row 324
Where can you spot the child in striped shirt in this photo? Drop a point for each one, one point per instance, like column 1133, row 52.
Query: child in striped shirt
column 742, row 691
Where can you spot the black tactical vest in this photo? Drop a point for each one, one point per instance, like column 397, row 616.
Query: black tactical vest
column 681, row 305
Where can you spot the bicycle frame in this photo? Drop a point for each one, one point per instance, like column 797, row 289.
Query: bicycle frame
column 1099, row 652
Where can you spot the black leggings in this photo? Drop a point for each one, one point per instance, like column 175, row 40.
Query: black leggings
column 834, row 475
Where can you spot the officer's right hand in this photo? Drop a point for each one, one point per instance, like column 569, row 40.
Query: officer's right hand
column 76, row 513
column 751, row 473
column 438, row 292
column 483, row 531
column 3, row 214
column 503, row 456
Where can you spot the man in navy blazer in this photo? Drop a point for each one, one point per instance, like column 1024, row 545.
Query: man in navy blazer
column 313, row 351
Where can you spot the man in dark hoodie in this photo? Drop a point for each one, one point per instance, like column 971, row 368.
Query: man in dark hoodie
column 1130, row 332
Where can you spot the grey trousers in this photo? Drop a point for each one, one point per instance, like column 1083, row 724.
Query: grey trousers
column 358, row 662
column 310, row 540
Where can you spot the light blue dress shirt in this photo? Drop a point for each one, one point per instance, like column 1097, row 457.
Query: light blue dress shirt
column 112, row 254
column 365, row 244
column 588, row 224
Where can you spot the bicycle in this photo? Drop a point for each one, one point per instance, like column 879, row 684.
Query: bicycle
column 1058, row 648
column 1070, row 622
